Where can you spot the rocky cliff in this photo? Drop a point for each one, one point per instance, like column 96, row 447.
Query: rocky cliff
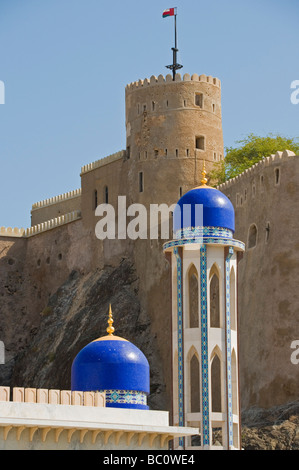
column 274, row 429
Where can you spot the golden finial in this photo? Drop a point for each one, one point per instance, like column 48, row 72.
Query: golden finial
column 204, row 179
column 110, row 330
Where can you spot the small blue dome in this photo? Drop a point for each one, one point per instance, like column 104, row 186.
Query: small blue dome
column 218, row 210
column 116, row 366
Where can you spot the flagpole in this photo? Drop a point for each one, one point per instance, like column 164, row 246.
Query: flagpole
column 175, row 46
column 175, row 66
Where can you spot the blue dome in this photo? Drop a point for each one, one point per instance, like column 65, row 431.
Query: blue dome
column 217, row 210
column 116, row 366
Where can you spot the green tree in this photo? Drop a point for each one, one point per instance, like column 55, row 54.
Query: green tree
column 250, row 150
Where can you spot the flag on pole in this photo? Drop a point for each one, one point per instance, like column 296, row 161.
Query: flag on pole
column 168, row 12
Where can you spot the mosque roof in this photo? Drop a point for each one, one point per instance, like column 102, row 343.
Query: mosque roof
column 217, row 209
column 110, row 363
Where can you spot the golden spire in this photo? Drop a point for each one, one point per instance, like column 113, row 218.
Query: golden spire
column 110, row 330
column 204, row 179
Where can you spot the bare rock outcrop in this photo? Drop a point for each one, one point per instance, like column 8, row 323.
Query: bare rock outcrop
column 273, row 429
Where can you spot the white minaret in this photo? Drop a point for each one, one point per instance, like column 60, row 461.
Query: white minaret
column 204, row 262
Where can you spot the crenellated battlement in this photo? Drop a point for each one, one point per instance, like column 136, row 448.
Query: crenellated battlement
column 12, row 232
column 39, row 228
column 168, row 79
column 57, row 199
column 277, row 158
column 52, row 396
column 103, row 161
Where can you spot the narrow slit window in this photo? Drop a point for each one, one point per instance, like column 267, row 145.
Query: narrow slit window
column 106, row 198
column 141, row 182
column 277, row 176
column 95, row 199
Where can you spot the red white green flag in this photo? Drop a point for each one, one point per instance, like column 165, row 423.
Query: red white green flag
column 168, row 12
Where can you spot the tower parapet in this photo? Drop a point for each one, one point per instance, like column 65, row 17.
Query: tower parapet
column 168, row 78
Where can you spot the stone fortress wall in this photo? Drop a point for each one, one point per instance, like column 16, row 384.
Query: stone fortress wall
column 172, row 127
column 266, row 201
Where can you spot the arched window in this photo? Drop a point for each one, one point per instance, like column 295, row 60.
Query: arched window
column 234, row 382
column 252, row 236
column 232, row 290
column 216, row 383
column 175, row 386
column 193, row 297
column 214, row 298
column 194, row 384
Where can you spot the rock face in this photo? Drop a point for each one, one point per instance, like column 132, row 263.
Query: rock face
column 273, row 429
column 77, row 314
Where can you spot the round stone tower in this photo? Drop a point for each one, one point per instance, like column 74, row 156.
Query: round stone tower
column 176, row 124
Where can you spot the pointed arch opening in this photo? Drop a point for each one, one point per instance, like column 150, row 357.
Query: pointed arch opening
column 216, row 382
column 175, row 390
column 193, row 294
column 194, row 381
column 233, row 300
column 234, row 382
column 252, row 236
column 214, row 297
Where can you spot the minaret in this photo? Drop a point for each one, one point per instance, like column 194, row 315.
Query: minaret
column 204, row 261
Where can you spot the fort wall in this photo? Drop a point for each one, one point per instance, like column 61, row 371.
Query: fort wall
column 266, row 200
column 55, row 207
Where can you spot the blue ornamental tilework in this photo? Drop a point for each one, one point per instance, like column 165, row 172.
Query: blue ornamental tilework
column 204, row 347
column 131, row 397
column 200, row 232
column 228, row 348
column 205, row 241
column 180, row 343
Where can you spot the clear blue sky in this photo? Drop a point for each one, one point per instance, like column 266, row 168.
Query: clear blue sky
column 65, row 65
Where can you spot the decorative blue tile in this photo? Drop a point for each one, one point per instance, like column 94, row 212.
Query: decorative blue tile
column 205, row 240
column 125, row 396
column 204, row 347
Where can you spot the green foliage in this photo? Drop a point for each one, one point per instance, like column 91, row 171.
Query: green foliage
column 250, row 150
column 47, row 311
